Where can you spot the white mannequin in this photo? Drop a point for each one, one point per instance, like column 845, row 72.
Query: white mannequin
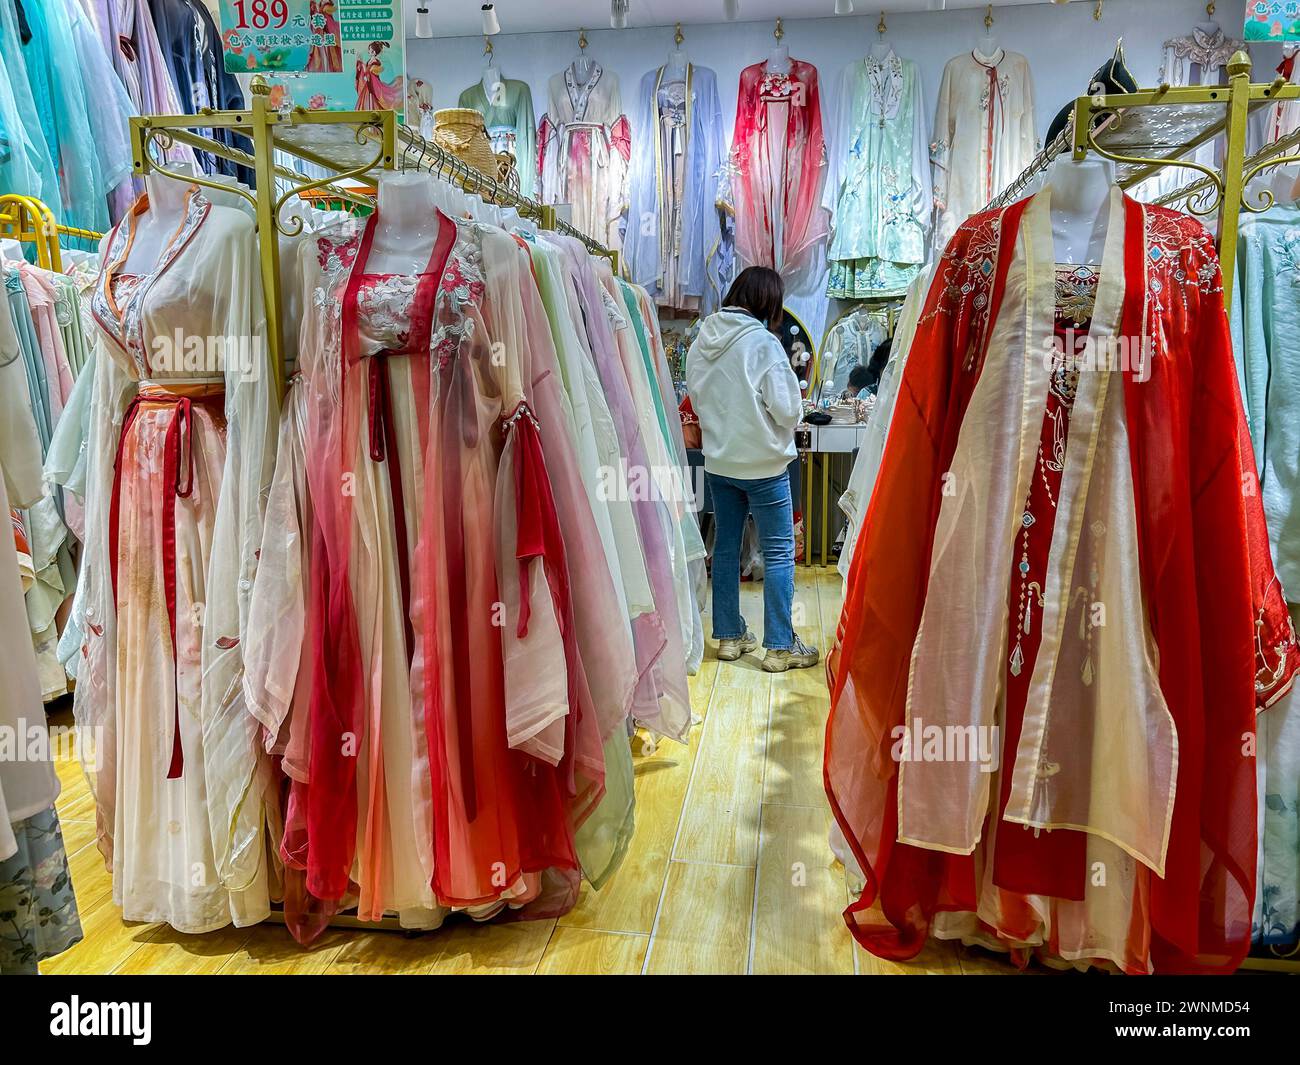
column 675, row 68
column 880, row 48
column 1080, row 208
column 406, row 226
column 779, row 61
column 155, row 227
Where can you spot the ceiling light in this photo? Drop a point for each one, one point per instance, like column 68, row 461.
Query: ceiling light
column 618, row 14
column 490, row 23
column 843, row 7
column 937, row 5
column 731, row 9
column 423, row 23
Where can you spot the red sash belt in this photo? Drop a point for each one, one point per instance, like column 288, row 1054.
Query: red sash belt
column 177, row 483
column 383, row 448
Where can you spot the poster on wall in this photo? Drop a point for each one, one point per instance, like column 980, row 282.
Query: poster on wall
column 337, row 55
column 1272, row 20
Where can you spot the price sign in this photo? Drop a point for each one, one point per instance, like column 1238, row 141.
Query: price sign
column 1272, row 20
column 271, row 34
column 341, row 55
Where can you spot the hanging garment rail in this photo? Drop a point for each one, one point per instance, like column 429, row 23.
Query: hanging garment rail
column 349, row 145
column 1132, row 130
column 29, row 220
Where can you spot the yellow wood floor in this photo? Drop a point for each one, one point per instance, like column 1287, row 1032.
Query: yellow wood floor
column 729, row 870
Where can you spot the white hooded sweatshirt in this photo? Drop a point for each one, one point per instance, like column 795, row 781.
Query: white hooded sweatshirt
column 746, row 396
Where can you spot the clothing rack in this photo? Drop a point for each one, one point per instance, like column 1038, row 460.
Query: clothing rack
column 1131, row 130
column 349, row 145
column 26, row 219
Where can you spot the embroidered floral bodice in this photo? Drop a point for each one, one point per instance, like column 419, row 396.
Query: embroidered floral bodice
column 389, row 315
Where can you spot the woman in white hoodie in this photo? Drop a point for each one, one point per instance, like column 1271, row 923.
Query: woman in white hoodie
column 748, row 401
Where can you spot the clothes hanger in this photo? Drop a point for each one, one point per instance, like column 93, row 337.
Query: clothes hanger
column 989, row 43
column 582, row 61
column 881, row 48
column 1211, row 25
column 677, row 57
column 493, row 79
column 779, row 61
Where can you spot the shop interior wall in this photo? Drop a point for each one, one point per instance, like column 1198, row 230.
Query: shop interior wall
column 1064, row 46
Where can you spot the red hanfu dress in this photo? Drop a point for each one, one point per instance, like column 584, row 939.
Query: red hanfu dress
column 1117, row 824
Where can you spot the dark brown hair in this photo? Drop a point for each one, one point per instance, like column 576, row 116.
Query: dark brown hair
column 761, row 292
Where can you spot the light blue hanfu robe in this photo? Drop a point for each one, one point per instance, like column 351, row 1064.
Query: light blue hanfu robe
column 878, row 179
column 30, row 169
column 674, row 245
column 1266, row 341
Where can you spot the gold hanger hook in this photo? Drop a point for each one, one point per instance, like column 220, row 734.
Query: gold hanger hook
column 779, row 32
column 582, row 40
column 1209, row 9
column 988, row 17
column 1096, row 11
column 880, row 26
column 487, row 45
column 678, row 36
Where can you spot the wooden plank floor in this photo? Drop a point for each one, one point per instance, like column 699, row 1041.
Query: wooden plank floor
column 728, row 872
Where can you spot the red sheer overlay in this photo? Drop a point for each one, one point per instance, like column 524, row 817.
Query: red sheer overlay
column 779, row 155
column 1208, row 587
column 1208, row 582
column 498, row 814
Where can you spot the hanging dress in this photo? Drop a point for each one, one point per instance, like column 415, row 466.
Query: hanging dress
column 508, row 117
column 583, row 147
column 675, row 248
column 778, row 163
column 1105, row 672
column 180, row 454
column 878, row 183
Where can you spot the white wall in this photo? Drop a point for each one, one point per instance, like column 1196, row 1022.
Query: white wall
column 1064, row 46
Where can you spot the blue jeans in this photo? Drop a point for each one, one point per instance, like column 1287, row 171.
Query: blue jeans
column 768, row 499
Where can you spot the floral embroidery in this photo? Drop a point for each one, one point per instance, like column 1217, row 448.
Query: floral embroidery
column 463, row 278
column 337, row 255
column 384, row 308
column 966, row 271
column 461, row 292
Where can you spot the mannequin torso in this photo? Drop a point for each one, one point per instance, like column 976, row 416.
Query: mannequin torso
column 1080, row 196
column 407, row 224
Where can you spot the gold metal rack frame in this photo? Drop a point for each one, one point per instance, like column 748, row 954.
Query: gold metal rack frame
column 1146, row 131
column 349, row 145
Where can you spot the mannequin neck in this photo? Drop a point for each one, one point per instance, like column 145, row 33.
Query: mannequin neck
column 1080, row 204
column 675, row 68
column 988, row 48
column 880, row 49
column 167, row 195
column 779, row 61
column 406, row 225
column 492, row 79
